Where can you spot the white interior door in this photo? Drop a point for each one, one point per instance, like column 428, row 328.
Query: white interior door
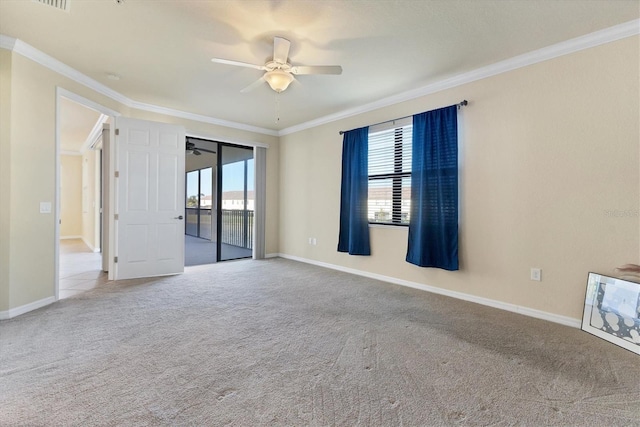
column 149, row 198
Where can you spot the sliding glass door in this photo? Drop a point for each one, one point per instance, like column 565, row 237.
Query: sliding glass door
column 237, row 197
column 219, row 204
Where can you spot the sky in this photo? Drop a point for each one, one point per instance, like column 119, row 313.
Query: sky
column 232, row 178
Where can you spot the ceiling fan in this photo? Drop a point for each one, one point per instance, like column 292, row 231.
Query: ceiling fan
column 192, row 149
column 279, row 73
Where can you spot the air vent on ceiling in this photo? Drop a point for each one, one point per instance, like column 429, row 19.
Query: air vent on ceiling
column 58, row 4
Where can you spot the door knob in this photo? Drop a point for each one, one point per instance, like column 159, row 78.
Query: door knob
column 178, row 217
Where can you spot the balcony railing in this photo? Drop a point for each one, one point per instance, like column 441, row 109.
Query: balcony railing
column 198, row 223
column 237, row 226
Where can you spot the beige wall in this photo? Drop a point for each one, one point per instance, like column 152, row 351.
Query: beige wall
column 28, row 235
column 5, row 176
column 79, row 197
column 89, row 199
column 548, row 152
column 70, row 196
column 32, row 178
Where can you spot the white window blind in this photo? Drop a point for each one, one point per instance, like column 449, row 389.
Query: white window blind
column 390, row 174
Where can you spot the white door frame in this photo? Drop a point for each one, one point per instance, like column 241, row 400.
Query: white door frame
column 64, row 93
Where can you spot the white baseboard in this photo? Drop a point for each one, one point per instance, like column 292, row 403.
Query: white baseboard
column 538, row 314
column 91, row 248
column 83, row 240
column 531, row 312
column 11, row 313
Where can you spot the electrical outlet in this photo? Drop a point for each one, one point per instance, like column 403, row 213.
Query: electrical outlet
column 314, row 241
column 536, row 274
column 310, row 241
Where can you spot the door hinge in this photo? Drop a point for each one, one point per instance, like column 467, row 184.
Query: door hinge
column 115, row 259
column 116, row 216
column 117, row 174
column 117, row 132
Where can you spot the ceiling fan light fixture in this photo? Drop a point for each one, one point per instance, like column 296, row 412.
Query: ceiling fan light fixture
column 278, row 80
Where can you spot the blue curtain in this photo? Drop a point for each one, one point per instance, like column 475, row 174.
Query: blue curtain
column 354, row 226
column 433, row 221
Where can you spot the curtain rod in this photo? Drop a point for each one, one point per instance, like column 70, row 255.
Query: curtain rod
column 459, row 105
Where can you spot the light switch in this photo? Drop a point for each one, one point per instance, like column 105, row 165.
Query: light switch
column 45, row 207
column 536, row 274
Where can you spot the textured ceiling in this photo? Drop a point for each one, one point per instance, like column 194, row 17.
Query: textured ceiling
column 162, row 49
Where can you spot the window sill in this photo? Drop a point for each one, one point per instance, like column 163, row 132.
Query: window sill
column 400, row 226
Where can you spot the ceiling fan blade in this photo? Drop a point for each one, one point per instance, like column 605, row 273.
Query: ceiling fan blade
column 296, row 82
column 281, row 49
column 253, row 85
column 205, row 150
column 316, row 69
column 238, row 63
column 197, row 151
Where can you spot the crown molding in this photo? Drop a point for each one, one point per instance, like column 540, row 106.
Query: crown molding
column 587, row 41
column 53, row 64
column 28, row 51
column 611, row 34
column 7, row 42
column 95, row 134
column 201, row 118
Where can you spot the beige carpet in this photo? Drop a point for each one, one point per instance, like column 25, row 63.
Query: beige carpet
column 276, row 342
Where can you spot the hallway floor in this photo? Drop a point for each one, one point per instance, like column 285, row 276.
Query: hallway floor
column 80, row 268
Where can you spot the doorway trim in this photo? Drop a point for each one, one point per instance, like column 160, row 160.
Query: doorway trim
column 64, row 93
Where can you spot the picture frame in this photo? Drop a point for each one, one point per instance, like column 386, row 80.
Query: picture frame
column 612, row 311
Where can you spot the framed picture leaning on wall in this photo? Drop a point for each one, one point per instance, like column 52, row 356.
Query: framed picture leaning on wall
column 612, row 311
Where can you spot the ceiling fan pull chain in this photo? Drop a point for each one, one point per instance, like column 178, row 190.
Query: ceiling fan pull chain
column 277, row 107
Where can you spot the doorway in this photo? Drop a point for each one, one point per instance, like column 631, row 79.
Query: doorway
column 79, row 237
column 79, row 198
column 219, row 201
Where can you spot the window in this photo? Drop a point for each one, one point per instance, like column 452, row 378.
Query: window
column 390, row 174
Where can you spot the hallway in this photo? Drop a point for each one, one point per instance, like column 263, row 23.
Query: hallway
column 80, row 269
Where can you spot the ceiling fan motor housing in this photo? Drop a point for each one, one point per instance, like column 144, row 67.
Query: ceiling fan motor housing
column 278, row 72
column 278, row 79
